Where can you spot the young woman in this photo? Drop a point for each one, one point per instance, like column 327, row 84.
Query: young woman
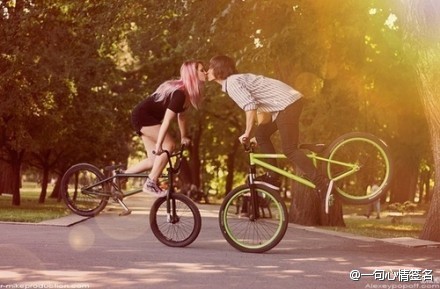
column 152, row 117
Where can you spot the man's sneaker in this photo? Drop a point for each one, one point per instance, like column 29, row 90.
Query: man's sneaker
column 267, row 180
column 152, row 188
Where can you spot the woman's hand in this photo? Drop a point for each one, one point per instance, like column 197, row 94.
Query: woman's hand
column 185, row 141
column 158, row 150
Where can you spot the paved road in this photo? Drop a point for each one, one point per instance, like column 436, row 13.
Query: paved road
column 120, row 252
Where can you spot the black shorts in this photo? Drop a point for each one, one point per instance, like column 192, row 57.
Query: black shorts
column 139, row 119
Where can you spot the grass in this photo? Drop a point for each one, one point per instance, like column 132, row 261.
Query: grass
column 390, row 225
column 380, row 229
column 30, row 211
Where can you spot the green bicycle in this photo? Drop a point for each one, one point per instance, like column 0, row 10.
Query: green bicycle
column 358, row 165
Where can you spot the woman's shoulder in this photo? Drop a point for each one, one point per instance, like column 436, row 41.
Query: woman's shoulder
column 178, row 96
column 178, row 92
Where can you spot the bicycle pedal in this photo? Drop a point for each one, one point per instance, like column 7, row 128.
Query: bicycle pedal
column 125, row 213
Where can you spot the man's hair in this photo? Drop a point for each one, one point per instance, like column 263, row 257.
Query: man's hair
column 222, row 66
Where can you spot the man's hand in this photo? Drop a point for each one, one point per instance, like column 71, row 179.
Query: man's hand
column 244, row 138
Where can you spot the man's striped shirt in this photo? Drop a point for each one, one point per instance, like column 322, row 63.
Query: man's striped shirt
column 256, row 92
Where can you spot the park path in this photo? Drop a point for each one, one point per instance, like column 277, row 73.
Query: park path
column 109, row 251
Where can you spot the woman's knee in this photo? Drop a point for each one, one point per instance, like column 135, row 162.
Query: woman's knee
column 169, row 145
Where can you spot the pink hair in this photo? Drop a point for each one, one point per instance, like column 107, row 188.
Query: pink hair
column 188, row 82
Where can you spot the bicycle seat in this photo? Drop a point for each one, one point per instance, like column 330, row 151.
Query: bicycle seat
column 314, row 147
column 114, row 167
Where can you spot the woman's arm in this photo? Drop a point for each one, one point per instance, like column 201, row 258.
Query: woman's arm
column 181, row 119
column 169, row 116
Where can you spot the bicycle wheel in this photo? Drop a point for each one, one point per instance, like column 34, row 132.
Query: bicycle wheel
column 249, row 234
column 179, row 230
column 79, row 191
column 361, row 165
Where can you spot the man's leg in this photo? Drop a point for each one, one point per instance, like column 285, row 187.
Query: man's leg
column 263, row 133
column 288, row 125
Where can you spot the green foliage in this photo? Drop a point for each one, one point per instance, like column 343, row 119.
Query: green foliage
column 72, row 71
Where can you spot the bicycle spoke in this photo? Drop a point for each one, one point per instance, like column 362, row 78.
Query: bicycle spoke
column 82, row 190
column 178, row 230
column 370, row 172
column 249, row 233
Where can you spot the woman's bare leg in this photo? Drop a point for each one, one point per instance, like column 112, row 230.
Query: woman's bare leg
column 161, row 161
column 149, row 138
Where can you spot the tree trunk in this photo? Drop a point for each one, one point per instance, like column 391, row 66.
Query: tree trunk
column 230, row 166
column 6, row 178
column 195, row 156
column 44, row 183
column 56, row 189
column 306, row 209
column 424, row 186
column 423, row 26
column 16, row 159
column 404, row 181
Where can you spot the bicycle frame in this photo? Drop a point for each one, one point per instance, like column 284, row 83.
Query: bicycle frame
column 256, row 159
column 171, row 169
column 109, row 182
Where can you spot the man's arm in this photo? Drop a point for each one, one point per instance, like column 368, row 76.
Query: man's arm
column 251, row 117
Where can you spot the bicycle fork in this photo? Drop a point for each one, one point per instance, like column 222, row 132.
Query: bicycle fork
column 171, row 202
column 254, row 206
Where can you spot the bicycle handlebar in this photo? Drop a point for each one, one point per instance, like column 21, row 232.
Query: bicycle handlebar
column 248, row 146
column 178, row 154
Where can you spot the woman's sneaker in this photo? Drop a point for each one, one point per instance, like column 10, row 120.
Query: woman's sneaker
column 152, row 188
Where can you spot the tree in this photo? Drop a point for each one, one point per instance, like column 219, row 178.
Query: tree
column 61, row 87
column 422, row 25
column 16, row 97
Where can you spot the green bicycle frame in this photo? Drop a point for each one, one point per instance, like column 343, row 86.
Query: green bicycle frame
column 256, row 159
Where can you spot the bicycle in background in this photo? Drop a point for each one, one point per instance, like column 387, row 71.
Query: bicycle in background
column 174, row 219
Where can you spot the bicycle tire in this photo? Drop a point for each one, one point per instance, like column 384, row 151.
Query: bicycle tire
column 175, row 233
column 77, row 200
column 374, row 164
column 253, row 235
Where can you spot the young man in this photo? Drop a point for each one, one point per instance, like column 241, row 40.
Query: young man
column 256, row 93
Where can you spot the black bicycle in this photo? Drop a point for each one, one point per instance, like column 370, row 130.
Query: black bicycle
column 174, row 219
